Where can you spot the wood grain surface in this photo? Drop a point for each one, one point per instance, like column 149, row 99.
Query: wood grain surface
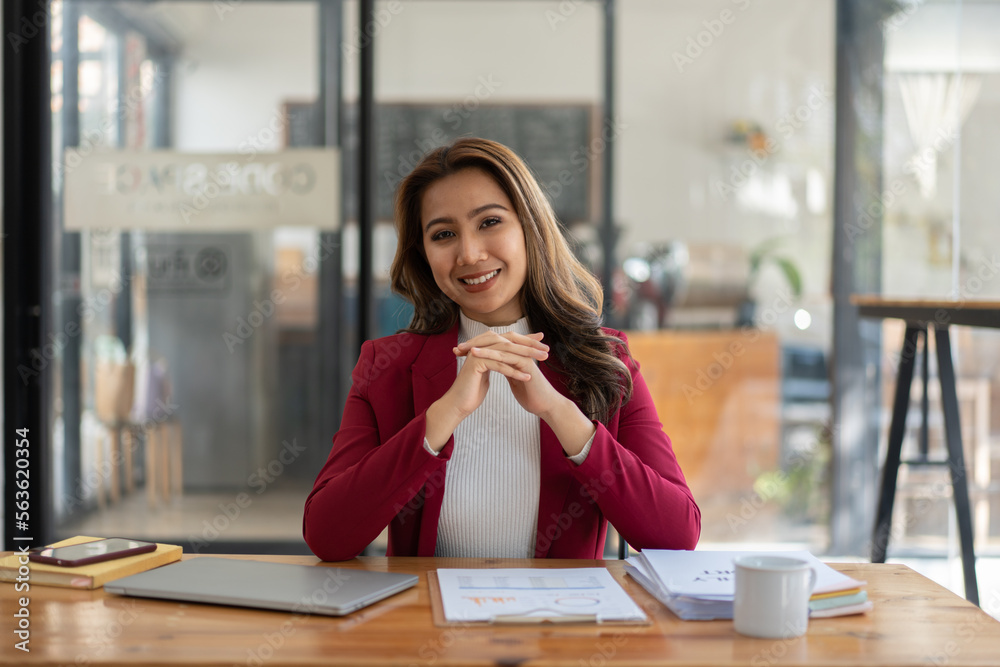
column 900, row 302
column 915, row 622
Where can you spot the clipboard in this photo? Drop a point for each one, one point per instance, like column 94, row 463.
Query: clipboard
column 441, row 621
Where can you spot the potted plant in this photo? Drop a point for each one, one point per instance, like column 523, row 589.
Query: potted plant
column 760, row 256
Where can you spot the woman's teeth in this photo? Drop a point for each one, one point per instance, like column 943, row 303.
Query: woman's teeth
column 480, row 280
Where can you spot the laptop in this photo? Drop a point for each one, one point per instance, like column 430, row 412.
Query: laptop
column 308, row 589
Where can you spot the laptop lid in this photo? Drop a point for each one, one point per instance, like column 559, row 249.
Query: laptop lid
column 311, row 589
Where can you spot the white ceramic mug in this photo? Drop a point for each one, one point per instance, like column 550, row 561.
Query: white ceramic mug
column 772, row 596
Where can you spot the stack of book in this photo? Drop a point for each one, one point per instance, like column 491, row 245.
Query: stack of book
column 699, row 585
column 839, row 603
column 90, row 576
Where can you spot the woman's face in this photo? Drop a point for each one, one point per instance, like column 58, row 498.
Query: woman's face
column 474, row 244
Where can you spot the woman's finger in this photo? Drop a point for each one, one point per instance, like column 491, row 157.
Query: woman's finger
column 532, row 339
column 504, row 369
column 492, row 338
column 507, row 347
column 484, row 339
column 514, row 360
column 516, row 343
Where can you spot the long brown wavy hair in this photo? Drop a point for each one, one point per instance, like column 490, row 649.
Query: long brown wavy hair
column 560, row 296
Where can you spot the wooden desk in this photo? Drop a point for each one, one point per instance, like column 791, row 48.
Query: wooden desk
column 915, row 622
column 921, row 317
column 941, row 312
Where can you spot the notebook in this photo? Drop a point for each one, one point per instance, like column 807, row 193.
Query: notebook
column 309, row 589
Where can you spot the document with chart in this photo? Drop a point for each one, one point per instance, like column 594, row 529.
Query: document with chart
column 521, row 595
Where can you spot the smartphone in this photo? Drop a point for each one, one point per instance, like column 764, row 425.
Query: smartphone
column 90, row 552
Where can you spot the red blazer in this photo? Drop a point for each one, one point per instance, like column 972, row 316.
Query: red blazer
column 378, row 473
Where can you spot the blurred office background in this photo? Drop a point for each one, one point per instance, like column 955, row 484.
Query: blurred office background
column 193, row 368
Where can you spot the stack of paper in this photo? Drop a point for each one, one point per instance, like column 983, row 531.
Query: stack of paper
column 699, row 585
column 523, row 595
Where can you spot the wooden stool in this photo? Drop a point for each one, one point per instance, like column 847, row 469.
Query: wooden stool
column 164, row 461
column 113, row 433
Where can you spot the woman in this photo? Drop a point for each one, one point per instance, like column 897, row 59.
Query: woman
column 504, row 421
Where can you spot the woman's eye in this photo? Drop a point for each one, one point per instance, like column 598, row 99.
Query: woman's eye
column 444, row 233
column 489, row 222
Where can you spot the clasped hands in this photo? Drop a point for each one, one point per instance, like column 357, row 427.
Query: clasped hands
column 515, row 357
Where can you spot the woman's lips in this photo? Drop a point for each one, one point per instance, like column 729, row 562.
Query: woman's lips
column 490, row 279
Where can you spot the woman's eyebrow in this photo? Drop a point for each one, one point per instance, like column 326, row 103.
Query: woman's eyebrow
column 471, row 214
column 485, row 207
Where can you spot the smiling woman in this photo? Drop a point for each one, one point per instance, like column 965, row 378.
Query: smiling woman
column 504, row 419
column 474, row 244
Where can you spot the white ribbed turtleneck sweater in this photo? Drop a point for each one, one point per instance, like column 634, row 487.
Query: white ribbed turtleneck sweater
column 492, row 480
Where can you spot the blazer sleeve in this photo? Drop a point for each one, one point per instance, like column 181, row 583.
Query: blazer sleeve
column 366, row 481
column 635, row 479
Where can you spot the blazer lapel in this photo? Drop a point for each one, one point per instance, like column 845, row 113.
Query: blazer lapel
column 434, row 372
column 555, row 481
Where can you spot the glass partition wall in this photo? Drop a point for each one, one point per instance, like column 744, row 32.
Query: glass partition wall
column 724, row 180
column 198, row 215
column 942, row 89
column 205, row 361
column 213, row 333
column 198, row 396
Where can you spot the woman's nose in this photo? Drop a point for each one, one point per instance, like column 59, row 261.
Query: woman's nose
column 471, row 250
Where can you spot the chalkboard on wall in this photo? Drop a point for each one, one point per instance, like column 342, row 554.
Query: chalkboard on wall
column 554, row 140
